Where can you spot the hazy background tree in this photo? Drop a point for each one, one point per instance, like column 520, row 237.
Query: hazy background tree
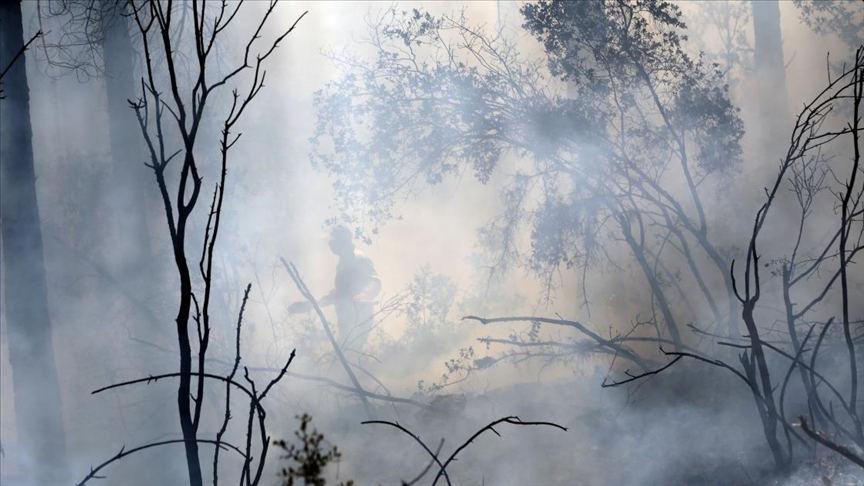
column 622, row 143
column 842, row 19
column 455, row 115
column 91, row 40
column 131, row 254
column 770, row 80
column 41, row 440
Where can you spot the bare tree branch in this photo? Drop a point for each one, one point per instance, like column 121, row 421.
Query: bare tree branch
column 820, row 438
column 301, row 286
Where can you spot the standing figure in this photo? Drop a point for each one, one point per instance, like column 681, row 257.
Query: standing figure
column 357, row 286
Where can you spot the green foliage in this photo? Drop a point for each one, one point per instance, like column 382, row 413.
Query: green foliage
column 842, row 18
column 400, row 104
column 310, row 457
column 621, row 54
column 442, row 97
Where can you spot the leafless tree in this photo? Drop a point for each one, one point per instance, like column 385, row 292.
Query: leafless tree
column 169, row 109
column 819, row 173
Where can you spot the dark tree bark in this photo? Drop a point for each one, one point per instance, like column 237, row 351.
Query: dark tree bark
column 38, row 408
column 130, row 253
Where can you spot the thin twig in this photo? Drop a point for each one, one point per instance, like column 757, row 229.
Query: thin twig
column 19, row 54
column 230, row 377
column 643, row 375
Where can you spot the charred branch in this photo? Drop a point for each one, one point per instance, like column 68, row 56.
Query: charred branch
column 301, row 286
column 94, row 472
column 611, row 345
column 825, row 441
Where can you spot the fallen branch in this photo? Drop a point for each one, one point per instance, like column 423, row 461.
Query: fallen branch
column 610, row 344
column 361, row 392
column 301, row 286
column 820, row 438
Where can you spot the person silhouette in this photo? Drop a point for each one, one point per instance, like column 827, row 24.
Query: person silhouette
column 353, row 295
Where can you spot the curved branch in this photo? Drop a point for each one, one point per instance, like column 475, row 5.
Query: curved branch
column 417, row 439
column 123, row 453
column 507, row 420
column 175, row 375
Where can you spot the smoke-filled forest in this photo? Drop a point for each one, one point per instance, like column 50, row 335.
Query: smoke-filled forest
column 597, row 242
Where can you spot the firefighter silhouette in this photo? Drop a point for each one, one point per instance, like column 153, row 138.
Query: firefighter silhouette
column 353, row 295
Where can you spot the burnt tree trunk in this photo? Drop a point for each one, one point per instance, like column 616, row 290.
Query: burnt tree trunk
column 38, row 408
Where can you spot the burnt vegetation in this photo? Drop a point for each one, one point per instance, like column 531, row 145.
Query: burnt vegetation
column 621, row 140
column 667, row 289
